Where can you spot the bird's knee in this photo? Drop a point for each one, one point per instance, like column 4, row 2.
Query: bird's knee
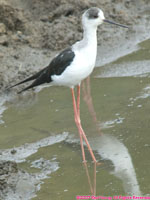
column 77, row 120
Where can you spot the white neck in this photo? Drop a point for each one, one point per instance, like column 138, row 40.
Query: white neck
column 89, row 39
column 90, row 36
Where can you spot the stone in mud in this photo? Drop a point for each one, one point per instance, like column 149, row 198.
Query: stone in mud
column 4, row 40
column 2, row 28
column 7, row 168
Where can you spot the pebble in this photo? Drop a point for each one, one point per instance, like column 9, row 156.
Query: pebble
column 3, row 39
column 2, row 28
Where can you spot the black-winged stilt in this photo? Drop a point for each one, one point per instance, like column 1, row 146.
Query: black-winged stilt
column 73, row 65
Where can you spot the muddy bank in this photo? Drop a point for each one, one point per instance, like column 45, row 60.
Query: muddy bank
column 32, row 31
column 15, row 183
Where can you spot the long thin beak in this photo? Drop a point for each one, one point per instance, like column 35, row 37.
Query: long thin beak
column 110, row 22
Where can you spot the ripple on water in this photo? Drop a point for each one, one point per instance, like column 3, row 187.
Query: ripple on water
column 136, row 68
column 2, row 108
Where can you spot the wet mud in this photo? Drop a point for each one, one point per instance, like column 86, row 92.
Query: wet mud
column 31, row 32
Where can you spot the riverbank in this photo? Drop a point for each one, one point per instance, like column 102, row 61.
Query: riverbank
column 31, row 32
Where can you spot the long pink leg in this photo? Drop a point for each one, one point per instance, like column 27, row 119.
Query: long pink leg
column 94, row 184
column 81, row 132
column 89, row 179
column 78, row 112
column 77, row 120
column 78, row 99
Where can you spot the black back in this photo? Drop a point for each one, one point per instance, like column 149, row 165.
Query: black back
column 56, row 67
column 59, row 63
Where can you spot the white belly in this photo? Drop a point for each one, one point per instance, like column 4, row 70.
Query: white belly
column 80, row 68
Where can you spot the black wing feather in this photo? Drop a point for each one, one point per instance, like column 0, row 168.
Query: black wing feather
column 28, row 79
column 56, row 67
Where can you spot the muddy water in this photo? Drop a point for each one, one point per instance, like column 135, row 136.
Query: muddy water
column 38, row 132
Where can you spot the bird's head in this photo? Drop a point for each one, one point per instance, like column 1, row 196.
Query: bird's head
column 94, row 16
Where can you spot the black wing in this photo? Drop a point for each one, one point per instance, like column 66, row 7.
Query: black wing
column 56, row 67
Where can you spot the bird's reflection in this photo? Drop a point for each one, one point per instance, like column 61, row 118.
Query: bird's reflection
column 91, row 181
column 88, row 100
column 110, row 148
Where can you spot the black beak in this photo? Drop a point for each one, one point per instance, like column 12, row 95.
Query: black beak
column 110, row 22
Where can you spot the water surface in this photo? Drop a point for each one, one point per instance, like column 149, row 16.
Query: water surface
column 116, row 118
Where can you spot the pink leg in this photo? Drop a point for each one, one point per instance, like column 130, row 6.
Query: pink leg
column 76, row 117
column 81, row 132
column 78, row 99
column 89, row 179
column 78, row 111
column 94, row 184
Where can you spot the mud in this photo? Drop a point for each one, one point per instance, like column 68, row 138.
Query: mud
column 16, row 183
column 40, row 28
column 32, row 31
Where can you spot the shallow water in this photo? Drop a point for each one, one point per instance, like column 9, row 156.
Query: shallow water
column 116, row 119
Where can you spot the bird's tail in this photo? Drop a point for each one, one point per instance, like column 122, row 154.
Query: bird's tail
column 39, row 77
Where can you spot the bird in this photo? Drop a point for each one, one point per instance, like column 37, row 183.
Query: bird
column 72, row 65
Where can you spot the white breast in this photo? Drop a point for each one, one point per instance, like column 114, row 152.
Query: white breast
column 80, row 68
column 84, row 60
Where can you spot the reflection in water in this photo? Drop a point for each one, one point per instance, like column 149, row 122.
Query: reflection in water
column 88, row 99
column 92, row 184
column 110, row 148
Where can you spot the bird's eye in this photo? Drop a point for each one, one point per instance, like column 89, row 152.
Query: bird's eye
column 95, row 16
